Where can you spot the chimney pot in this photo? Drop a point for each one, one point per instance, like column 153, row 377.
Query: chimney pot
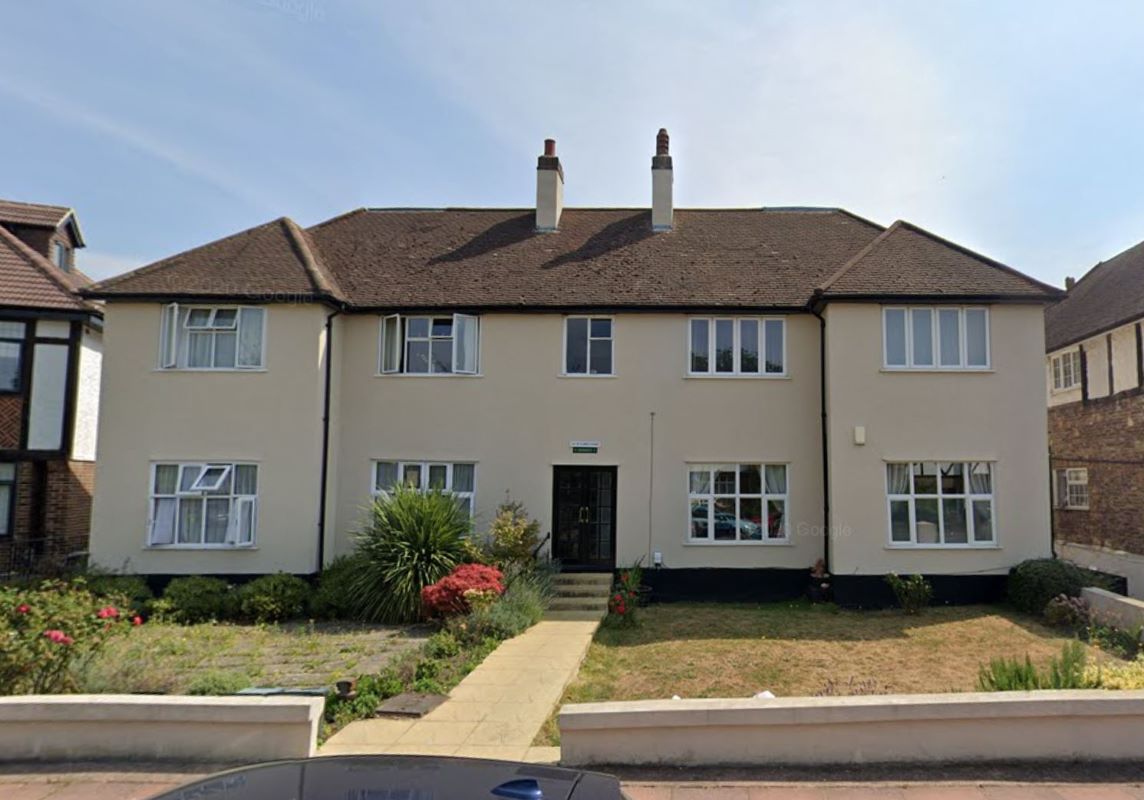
column 550, row 148
column 661, row 181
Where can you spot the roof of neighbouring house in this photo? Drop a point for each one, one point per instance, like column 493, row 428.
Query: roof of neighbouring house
column 30, row 281
column 1108, row 296
column 495, row 258
column 38, row 215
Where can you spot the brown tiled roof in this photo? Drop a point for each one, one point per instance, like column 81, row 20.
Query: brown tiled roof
column 494, row 258
column 28, row 280
column 39, row 215
column 1108, row 296
column 271, row 262
column 907, row 261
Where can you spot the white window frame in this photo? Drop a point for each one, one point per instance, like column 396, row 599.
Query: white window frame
column 968, row 496
column 711, row 495
column 61, row 257
column 401, row 361
column 935, row 337
column 1065, row 370
column 238, row 536
column 737, row 327
column 175, row 333
column 1070, row 488
column 377, row 491
column 611, row 339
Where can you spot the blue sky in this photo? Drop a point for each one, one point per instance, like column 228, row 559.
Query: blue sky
column 1012, row 128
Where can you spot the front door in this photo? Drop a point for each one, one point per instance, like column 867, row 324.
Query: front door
column 584, row 517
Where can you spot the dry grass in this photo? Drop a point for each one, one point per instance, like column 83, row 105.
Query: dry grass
column 793, row 649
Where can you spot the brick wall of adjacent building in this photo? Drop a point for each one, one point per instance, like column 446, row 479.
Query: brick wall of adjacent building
column 64, row 515
column 1106, row 436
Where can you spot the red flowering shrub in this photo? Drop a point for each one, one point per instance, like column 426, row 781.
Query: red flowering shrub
column 453, row 593
column 49, row 634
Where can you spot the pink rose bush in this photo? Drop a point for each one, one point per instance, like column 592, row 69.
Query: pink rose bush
column 49, row 634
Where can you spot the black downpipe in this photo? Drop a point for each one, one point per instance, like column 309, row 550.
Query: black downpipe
column 825, row 447
column 325, row 439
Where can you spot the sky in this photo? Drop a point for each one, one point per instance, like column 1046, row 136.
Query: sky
column 1012, row 128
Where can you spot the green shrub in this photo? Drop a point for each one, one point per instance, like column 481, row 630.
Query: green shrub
column 513, row 535
column 1117, row 676
column 130, row 590
column 216, row 682
column 198, row 598
column 1013, row 675
column 50, row 634
column 913, row 593
column 1067, row 612
column 1033, row 583
column 411, row 540
column 332, row 599
column 274, row 598
column 522, row 605
column 1119, row 642
column 442, row 644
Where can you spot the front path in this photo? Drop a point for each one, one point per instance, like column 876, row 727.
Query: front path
column 496, row 711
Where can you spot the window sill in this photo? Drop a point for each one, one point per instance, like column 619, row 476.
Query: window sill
column 1071, row 508
column 1066, row 390
column 937, row 370
column 702, row 376
column 465, row 375
column 209, row 369
column 580, row 375
column 943, row 547
column 740, row 543
column 227, row 547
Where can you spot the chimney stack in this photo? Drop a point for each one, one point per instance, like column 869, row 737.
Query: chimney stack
column 661, row 180
column 1069, row 284
column 549, row 188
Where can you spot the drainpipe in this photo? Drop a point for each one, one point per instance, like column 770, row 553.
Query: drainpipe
column 814, row 308
column 325, row 439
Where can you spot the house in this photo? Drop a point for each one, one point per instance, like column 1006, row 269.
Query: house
column 1094, row 368
column 726, row 396
column 50, row 351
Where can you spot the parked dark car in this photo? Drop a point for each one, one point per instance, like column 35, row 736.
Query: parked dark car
column 406, row 777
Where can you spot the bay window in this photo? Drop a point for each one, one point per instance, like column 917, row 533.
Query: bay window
column 458, row 479
column 196, row 504
column 939, row 337
column 211, row 337
column 737, row 346
column 737, row 502
column 441, row 344
column 940, row 503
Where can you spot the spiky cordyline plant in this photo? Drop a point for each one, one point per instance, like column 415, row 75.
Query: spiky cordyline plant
column 410, row 540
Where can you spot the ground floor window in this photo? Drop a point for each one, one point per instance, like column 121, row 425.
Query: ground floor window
column 1071, row 488
column 456, row 478
column 737, row 502
column 7, row 498
column 940, row 502
column 203, row 504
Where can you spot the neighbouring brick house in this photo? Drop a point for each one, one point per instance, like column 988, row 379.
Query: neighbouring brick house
column 1095, row 375
column 50, row 354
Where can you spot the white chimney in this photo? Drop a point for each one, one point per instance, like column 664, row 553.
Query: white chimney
column 549, row 188
column 661, row 180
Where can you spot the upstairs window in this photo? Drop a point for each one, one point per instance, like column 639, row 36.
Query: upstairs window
column 61, row 255
column 1066, row 370
column 429, row 345
column 1071, row 488
column 211, row 337
column 588, row 346
column 11, row 355
column 940, row 503
column 737, row 346
column 941, row 338
column 457, row 479
column 203, row 505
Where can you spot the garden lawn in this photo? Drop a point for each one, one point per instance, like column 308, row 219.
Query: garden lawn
column 796, row 649
column 176, row 659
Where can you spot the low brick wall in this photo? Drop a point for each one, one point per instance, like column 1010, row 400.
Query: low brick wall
column 935, row 728
column 140, row 727
column 1108, row 608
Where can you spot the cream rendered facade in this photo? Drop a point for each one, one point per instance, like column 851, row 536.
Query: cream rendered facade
column 516, row 418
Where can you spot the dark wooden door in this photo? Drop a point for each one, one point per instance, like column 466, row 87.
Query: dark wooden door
column 584, row 517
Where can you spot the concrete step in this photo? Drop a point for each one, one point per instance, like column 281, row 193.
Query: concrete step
column 573, row 590
column 578, row 603
column 581, row 578
column 575, row 616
